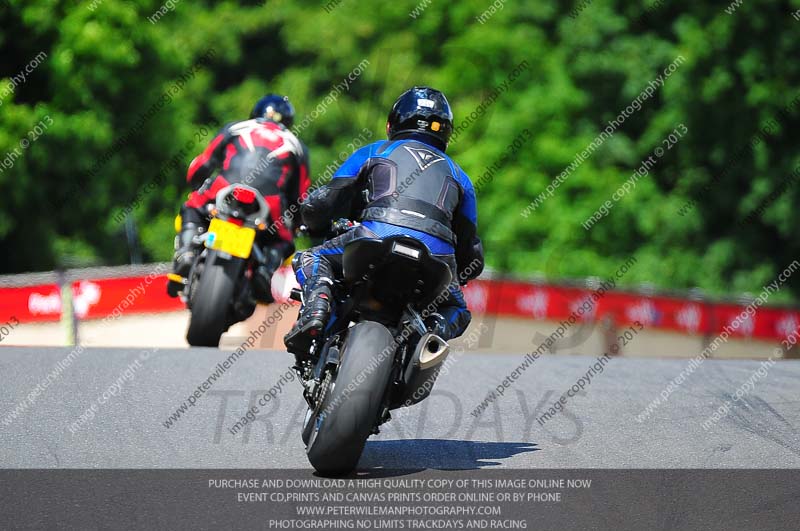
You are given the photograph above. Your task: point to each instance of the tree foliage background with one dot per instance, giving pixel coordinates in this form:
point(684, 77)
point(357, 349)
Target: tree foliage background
point(107, 64)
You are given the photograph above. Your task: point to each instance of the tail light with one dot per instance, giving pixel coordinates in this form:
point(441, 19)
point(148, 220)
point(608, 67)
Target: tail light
point(243, 195)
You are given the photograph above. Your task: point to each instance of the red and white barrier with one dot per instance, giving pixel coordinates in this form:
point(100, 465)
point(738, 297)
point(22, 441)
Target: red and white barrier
point(95, 299)
point(92, 299)
point(523, 299)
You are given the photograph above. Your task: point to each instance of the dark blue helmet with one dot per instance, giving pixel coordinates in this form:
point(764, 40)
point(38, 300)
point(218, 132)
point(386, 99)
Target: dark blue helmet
point(424, 111)
point(274, 107)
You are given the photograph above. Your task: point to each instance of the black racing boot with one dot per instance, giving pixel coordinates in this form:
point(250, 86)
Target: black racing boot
point(185, 253)
point(313, 315)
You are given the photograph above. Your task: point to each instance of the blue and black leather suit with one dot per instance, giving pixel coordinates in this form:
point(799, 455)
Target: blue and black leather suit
point(399, 187)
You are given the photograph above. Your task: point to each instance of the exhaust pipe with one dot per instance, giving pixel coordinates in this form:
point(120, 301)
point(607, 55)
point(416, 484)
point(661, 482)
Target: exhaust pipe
point(422, 370)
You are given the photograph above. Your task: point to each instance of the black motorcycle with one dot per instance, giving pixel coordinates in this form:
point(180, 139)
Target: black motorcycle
point(376, 354)
point(223, 284)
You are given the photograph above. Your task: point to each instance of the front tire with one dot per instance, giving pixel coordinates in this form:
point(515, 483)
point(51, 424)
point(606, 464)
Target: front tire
point(351, 405)
point(211, 303)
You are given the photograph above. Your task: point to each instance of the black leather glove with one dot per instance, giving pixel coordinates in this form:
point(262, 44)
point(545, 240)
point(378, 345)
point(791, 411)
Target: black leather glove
point(340, 226)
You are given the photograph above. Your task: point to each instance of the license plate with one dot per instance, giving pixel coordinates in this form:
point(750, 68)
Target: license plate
point(229, 238)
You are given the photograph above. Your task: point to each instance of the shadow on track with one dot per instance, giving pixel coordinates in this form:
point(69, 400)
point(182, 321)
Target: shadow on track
point(391, 458)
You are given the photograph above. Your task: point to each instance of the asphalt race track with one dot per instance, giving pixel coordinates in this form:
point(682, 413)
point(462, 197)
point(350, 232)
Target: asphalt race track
point(597, 428)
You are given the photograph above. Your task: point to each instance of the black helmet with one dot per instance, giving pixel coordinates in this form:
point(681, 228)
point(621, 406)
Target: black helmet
point(421, 110)
point(275, 108)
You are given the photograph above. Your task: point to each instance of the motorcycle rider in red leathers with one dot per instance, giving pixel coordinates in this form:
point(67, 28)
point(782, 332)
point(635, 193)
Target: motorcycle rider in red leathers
point(262, 153)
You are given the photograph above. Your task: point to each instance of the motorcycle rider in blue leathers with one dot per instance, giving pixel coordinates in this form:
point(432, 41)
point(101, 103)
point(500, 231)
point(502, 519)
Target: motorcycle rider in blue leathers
point(405, 185)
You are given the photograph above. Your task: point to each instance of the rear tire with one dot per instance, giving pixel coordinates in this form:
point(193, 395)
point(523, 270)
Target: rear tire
point(353, 401)
point(211, 303)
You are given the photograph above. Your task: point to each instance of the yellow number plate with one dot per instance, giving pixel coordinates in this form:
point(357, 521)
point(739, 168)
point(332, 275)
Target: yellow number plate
point(229, 238)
